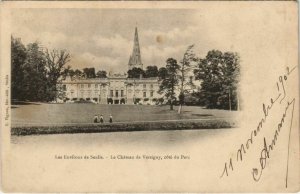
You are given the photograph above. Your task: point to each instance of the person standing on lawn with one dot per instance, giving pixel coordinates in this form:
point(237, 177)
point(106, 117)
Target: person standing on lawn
point(110, 118)
point(96, 118)
point(101, 119)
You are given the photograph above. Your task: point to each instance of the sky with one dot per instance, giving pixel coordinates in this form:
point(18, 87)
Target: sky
point(103, 38)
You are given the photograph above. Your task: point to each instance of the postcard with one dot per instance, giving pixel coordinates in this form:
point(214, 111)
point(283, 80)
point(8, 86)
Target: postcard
point(149, 96)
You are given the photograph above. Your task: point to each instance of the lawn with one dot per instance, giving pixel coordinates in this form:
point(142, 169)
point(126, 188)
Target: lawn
point(37, 114)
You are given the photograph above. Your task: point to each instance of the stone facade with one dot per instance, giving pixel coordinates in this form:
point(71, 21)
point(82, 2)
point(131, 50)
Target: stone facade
point(116, 88)
point(112, 90)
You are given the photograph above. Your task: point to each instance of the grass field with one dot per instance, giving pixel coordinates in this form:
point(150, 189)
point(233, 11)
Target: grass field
point(37, 114)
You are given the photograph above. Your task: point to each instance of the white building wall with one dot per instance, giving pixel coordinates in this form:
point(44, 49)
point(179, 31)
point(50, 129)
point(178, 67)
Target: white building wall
point(100, 89)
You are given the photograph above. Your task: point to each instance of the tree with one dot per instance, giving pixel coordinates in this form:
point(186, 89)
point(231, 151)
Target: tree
point(169, 81)
point(184, 70)
point(136, 73)
point(101, 74)
point(55, 63)
point(151, 71)
point(78, 73)
point(68, 71)
point(36, 71)
point(220, 76)
point(89, 72)
point(18, 57)
point(35, 74)
point(162, 72)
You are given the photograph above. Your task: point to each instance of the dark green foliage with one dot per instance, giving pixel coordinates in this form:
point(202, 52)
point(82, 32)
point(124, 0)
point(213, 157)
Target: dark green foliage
point(169, 80)
point(89, 72)
point(55, 62)
point(36, 71)
point(136, 73)
point(18, 57)
point(101, 74)
point(219, 73)
point(151, 71)
point(119, 127)
point(162, 73)
point(35, 74)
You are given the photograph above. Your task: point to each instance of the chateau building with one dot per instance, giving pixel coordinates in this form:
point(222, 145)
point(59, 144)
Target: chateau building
point(116, 88)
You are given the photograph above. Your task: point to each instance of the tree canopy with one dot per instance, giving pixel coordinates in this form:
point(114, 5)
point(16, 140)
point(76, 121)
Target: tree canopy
point(185, 67)
point(35, 71)
point(101, 74)
point(89, 72)
point(169, 80)
point(151, 71)
point(136, 73)
point(219, 73)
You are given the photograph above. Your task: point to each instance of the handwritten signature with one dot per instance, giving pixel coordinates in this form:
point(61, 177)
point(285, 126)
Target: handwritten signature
point(265, 152)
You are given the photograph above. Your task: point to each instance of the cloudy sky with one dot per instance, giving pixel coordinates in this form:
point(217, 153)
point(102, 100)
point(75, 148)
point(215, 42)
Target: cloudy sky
point(103, 38)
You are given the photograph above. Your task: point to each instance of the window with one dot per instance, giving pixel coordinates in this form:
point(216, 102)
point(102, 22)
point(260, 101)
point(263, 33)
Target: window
point(89, 85)
point(151, 93)
point(144, 86)
point(122, 93)
point(82, 85)
point(96, 85)
point(145, 95)
point(117, 93)
point(151, 86)
point(111, 93)
point(64, 87)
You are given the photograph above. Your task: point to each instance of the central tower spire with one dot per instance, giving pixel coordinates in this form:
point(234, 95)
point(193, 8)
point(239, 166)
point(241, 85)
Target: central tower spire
point(135, 59)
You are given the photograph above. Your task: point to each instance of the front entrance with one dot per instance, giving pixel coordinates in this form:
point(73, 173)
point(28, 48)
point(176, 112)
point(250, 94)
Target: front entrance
point(116, 101)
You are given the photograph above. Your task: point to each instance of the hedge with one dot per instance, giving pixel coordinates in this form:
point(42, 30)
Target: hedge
point(119, 127)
